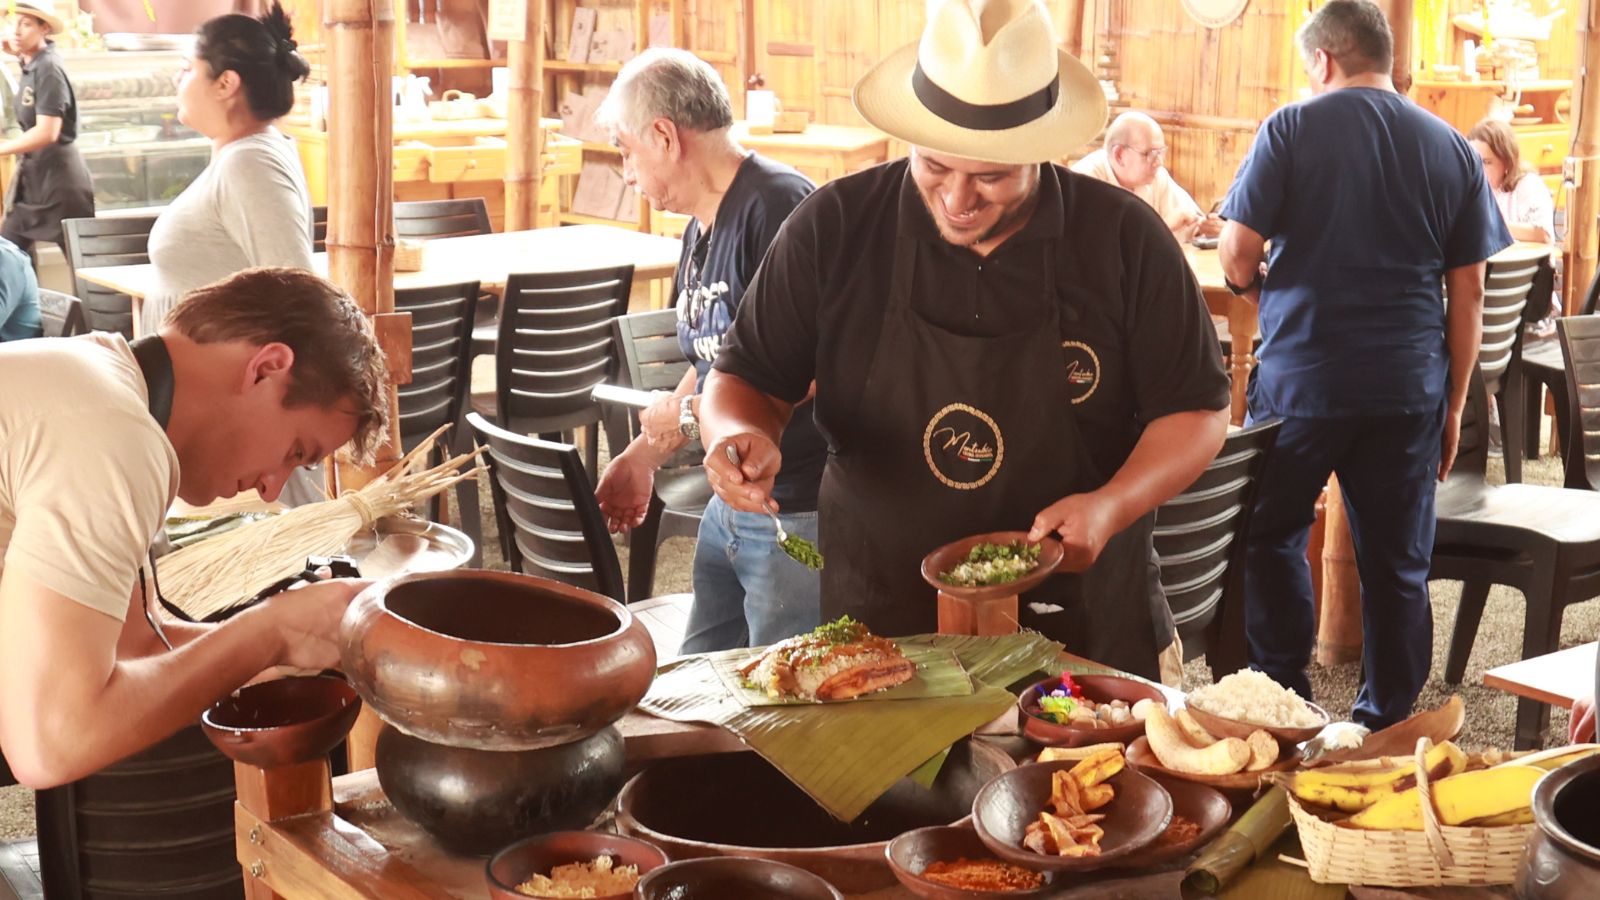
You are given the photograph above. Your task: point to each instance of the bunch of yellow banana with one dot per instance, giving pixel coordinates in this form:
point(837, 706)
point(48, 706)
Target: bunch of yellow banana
point(1356, 787)
point(1502, 795)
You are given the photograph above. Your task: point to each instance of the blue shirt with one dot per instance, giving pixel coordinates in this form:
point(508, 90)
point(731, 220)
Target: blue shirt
point(1367, 199)
point(19, 295)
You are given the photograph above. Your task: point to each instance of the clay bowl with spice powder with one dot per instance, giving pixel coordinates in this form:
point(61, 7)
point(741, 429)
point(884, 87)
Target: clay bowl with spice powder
point(912, 853)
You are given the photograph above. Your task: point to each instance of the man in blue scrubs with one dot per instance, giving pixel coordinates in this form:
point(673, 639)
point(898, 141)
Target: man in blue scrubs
point(1369, 202)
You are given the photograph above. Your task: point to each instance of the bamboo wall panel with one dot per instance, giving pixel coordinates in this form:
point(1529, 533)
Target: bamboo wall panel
point(787, 55)
point(713, 31)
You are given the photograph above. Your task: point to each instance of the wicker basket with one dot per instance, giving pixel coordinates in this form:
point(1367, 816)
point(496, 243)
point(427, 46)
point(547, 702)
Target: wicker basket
point(408, 255)
point(1437, 855)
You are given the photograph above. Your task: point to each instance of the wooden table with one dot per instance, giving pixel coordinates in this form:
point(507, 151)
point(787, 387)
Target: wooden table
point(486, 258)
point(1556, 678)
point(821, 152)
point(1242, 324)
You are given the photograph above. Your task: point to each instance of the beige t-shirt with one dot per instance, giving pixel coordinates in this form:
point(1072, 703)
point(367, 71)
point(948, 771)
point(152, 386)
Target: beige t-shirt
point(86, 475)
point(1164, 195)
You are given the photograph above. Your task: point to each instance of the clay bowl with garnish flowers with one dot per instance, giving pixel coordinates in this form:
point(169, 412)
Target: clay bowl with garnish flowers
point(1043, 726)
point(945, 559)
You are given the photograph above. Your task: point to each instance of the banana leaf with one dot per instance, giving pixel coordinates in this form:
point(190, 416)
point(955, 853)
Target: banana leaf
point(846, 755)
point(939, 674)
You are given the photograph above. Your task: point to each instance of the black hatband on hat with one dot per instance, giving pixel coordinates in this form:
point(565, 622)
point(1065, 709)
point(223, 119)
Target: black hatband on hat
point(979, 116)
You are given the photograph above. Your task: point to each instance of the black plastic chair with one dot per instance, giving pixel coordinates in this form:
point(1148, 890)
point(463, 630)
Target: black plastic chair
point(441, 335)
point(1507, 307)
point(649, 359)
point(106, 241)
point(61, 314)
point(319, 228)
point(1541, 367)
point(1541, 541)
point(554, 346)
point(1579, 337)
point(428, 219)
point(1200, 542)
point(544, 503)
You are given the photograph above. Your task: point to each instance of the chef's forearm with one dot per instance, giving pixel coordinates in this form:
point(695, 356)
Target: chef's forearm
point(1240, 250)
point(1169, 456)
point(730, 405)
point(36, 138)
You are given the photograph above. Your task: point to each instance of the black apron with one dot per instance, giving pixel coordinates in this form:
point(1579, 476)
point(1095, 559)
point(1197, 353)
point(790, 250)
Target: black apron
point(958, 435)
point(50, 184)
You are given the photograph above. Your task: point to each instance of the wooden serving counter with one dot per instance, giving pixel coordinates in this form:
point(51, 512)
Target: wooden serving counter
point(441, 160)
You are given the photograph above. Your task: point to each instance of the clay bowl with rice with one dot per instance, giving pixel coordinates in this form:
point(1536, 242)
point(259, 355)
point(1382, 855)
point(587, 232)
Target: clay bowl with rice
point(570, 860)
point(1104, 725)
point(937, 864)
point(1249, 701)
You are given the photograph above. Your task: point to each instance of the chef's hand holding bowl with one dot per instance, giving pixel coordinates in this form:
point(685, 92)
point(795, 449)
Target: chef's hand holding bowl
point(1084, 522)
point(306, 621)
point(747, 486)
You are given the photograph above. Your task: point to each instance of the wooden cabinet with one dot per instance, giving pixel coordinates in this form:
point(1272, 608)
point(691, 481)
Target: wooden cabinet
point(1539, 108)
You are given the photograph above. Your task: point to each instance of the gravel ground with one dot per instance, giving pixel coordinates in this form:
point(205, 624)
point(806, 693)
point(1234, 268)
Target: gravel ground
point(1490, 713)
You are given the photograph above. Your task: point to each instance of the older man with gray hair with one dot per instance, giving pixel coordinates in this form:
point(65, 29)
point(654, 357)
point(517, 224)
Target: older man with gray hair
point(670, 115)
point(1134, 158)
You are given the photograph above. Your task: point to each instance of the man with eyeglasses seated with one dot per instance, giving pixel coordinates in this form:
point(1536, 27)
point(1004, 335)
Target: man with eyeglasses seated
point(1133, 158)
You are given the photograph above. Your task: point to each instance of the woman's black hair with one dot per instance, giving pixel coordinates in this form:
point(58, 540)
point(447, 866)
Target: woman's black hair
point(262, 51)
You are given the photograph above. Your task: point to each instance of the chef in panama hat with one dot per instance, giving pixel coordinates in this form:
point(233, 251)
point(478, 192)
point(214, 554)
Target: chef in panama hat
point(996, 343)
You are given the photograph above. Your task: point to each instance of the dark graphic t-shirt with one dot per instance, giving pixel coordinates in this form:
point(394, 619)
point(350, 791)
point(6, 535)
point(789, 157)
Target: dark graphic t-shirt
point(712, 273)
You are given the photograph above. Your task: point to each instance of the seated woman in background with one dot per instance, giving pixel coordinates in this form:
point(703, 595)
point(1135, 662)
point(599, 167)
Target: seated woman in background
point(1522, 196)
point(250, 207)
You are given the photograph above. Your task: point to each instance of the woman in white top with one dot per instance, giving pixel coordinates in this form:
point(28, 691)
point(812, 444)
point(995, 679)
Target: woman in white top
point(1522, 196)
point(250, 206)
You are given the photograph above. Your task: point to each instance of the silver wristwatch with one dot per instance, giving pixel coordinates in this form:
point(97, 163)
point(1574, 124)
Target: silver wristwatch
point(687, 423)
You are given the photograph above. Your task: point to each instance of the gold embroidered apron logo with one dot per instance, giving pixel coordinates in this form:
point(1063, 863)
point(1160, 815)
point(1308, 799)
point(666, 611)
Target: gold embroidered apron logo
point(963, 446)
point(1083, 369)
point(27, 95)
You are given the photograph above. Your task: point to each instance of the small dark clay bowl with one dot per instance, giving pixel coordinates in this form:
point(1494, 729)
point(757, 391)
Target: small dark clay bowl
point(1205, 806)
point(1005, 806)
point(733, 878)
point(282, 722)
point(538, 854)
point(1100, 689)
point(912, 852)
point(947, 557)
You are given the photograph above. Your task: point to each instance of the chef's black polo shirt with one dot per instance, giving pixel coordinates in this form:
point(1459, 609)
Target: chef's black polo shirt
point(1122, 287)
point(45, 91)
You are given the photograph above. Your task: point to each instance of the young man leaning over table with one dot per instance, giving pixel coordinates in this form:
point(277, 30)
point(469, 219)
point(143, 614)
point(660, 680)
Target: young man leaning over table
point(996, 343)
point(248, 379)
point(669, 114)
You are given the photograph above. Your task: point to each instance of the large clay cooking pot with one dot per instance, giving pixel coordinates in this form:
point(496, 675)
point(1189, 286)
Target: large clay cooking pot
point(1562, 859)
point(494, 660)
point(737, 804)
point(477, 801)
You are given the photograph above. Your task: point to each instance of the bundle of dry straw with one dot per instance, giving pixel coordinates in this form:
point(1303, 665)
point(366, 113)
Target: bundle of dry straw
point(217, 574)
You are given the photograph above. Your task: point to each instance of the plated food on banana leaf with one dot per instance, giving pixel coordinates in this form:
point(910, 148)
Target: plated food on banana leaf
point(837, 661)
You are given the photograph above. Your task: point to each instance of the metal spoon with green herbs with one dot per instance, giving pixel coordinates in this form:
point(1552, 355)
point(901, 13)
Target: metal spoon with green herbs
point(988, 564)
point(799, 549)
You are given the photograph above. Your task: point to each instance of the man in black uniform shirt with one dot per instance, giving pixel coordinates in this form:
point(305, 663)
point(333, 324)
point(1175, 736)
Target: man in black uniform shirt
point(52, 182)
point(997, 344)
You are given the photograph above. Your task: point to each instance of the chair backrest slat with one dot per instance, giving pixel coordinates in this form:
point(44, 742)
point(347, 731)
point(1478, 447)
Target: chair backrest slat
point(427, 219)
point(544, 500)
point(555, 344)
point(441, 357)
point(1506, 295)
point(1580, 350)
point(106, 241)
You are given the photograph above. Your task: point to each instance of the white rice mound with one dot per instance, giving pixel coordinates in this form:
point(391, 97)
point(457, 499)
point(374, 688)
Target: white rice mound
point(1251, 696)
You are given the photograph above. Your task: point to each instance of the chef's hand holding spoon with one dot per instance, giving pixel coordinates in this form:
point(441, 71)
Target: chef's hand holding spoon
point(747, 486)
point(1083, 522)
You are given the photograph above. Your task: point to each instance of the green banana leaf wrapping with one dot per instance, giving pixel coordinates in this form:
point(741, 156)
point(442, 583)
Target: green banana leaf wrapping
point(1246, 840)
point(846, 755)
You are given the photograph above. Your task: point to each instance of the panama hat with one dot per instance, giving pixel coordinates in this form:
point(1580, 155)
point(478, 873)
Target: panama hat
point(986, 82)
point(50, 19)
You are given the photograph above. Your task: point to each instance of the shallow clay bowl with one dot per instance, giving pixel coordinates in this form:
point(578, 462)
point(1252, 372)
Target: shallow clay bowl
point(950, 555)
point(1141, 757)
point(1239, 728)
point(494, 660)
point(1100, 689)
point(1205, 806)
point(912, 852)
point(1007, 805)
point(539, 854)
point(733, 878)
point(282, 722)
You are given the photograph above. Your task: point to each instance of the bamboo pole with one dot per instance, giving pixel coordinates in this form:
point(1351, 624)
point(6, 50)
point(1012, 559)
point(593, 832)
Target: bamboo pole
point(524, 137)
point(1400, 15)
point(1584, 167)
point(1072, 27)
point(360, 41)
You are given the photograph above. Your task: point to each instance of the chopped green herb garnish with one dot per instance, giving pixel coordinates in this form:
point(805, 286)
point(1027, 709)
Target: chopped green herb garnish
point(988, 564)
point(802, 551)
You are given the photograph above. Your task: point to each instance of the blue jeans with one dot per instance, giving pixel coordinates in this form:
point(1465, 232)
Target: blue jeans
point(747, 591)
point(1387, 468)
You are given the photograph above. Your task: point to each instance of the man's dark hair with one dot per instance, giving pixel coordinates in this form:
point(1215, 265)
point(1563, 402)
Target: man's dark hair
point(263, 52)
point(337, 361)
point(1354, 33)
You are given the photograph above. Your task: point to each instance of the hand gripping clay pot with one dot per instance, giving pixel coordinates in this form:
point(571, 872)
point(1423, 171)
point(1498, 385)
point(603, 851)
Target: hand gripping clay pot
point(494, 660)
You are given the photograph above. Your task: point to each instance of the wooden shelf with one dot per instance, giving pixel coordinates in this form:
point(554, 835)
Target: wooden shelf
point(561, 65)
point(453, 63)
